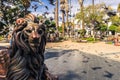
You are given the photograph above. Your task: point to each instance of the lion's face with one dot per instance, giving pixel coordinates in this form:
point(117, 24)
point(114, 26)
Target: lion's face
point(34, 32)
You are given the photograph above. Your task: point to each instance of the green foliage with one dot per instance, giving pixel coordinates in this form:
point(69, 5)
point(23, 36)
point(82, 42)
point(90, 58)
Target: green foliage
point(103, 27)
point(12, 13)
point(118, 29)
point(82, 32)
point(112, 28)
point(90, 16)
point(109, 42)
point(50, 26)
point(115, 20)
point(40, 17)
point(1, 38)
point(60, 29)
point(53, 24)
point(90, 39)
point(78, 15)
point(118, 9)
point(51, 30)
point(47, 22)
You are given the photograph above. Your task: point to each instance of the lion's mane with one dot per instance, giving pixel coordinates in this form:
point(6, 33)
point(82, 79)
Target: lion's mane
point(25, 63)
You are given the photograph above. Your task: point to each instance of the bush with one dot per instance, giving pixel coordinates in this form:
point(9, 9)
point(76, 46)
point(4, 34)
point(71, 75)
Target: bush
point(90, 39)
point(103, 27)
point(112, 28)
point(1, 38)
point(82, 32)
point(60, 29)
point(118, 29)
point(52, 24)
point(51, 30)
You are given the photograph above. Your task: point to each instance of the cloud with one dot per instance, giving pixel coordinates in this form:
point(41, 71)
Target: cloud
point(50, 15)
point(36, 13)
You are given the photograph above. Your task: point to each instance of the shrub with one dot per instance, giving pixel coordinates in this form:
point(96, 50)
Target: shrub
point(103, 27)
point(82, 32)
point(60, 29)
point(90, 39)
point(112, 28)
point(118, 29)
point(1, 38)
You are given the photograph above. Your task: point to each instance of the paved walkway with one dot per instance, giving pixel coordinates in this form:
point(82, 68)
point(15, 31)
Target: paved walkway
point(81, 64)
point(77, 65)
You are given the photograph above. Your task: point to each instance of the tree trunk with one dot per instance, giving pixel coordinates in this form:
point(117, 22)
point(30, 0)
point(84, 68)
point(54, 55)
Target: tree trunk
point(67, 22)
point(56, 15)
point(66, 10)
point(83, 27)
point(93, 20)
point(63, 23)
point(82, 7)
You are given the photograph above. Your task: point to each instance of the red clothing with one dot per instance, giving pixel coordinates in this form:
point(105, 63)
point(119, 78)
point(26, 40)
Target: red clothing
point(116, 40)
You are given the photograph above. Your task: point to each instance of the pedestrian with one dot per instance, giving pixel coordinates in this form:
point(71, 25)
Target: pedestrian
point(116, 41)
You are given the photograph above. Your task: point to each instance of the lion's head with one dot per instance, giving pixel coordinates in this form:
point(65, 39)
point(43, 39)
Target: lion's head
point(34, 33)
point(29, 33)
point(27, 56)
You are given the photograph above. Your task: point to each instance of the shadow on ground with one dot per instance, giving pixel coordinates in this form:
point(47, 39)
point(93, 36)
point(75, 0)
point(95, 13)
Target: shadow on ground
point(77, 65)
point(58, 53)
point(2, 47)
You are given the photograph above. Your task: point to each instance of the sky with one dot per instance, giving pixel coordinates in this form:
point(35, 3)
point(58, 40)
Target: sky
point(74, 3)
point(41, 9)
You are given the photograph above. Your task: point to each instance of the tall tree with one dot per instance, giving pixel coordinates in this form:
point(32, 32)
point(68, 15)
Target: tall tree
point(56, 3)
point(26, 4)
point(66, 10)
point(62, 6)
point(57, 14)
point(82, 13)
point(95, 19)
point(118, 8)
point(11, 10)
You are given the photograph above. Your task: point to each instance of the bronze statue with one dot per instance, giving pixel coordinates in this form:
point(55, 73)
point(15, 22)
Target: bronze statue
point(27, 55)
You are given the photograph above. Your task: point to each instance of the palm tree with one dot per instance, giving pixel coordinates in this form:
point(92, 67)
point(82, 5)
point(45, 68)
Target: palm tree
point(82, 13)
point(26, 4)
point(93, 20)
point(118, 8)
point(56, 15)
point(62, 6)
point(55, 2)
point(66, 10)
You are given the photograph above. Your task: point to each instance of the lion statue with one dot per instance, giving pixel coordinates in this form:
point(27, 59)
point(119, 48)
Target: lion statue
point(26, 59)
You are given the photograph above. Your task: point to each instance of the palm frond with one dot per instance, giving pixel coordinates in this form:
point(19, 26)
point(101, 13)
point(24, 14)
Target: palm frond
point(52, 2)
point(46, 7)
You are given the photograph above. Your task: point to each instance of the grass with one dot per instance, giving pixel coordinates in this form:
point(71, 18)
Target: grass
point(1, 38)
point(109, 42)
